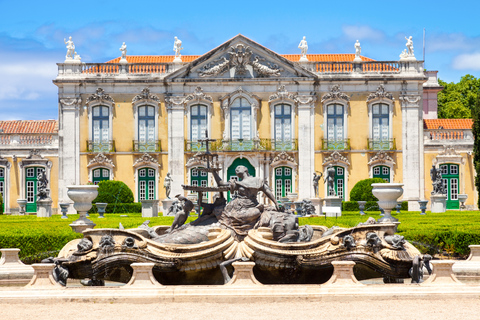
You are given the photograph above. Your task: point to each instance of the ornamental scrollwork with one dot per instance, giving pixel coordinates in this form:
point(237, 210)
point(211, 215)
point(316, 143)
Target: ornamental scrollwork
point(282, 94)
point(101, 159)
point(335, 94)
point(381, 157)
point(100, 96)
point(336, 158)
point(198, 95)
point(380, 94)
point(146, 95)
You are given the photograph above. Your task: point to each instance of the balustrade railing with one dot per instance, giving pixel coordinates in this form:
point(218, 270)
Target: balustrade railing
point(342, 144)
point(130, 68)
point(147, 146)
point(448, 135)
point(28, 140)
point(368, 67)
point(101, 146)
point(244, 145)
point(387, 144)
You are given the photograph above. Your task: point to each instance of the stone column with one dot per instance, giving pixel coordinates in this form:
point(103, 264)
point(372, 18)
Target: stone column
point(176, 142)
point(412, 148)
point(306, 145)
point(68, 147)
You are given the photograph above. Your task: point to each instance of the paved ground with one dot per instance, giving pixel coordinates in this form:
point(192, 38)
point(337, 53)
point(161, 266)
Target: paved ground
point(451, 309)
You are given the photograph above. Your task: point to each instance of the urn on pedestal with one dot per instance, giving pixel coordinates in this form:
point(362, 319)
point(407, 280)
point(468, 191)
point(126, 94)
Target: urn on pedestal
point(387, 195)
point(82, 197)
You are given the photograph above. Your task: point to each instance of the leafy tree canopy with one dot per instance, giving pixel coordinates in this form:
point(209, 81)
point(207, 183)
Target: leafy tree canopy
point(457, 100)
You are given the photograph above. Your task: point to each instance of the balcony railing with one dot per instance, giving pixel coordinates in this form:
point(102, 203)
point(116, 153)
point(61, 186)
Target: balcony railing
point(101, 146)
point(367, 67)
point(452, 136)
point(244, 145)
point(147, 146)
point(388, 144)
point(28, 140)
point(335, 144)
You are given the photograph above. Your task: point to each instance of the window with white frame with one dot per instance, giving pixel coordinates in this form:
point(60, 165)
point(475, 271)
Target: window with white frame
point(100, 124)
point(240, 120)
point(198, 122)
point(146, 124)
point(335, 126)
point(380, 122)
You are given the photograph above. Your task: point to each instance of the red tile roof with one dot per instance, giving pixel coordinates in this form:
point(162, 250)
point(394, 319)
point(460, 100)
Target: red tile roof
point(292, 57)
point(29, 126)
point(447, 124)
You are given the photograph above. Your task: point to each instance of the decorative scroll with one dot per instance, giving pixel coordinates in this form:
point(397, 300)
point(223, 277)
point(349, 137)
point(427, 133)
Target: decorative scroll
point(335, 94)
point(100, 96)
point(146, 95)
point(380, 94)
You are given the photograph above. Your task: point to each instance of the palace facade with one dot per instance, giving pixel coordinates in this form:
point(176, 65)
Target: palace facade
point(136, 119)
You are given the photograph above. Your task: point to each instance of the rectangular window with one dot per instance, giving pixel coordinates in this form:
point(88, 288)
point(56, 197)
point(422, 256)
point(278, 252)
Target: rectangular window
point(30, 191)
point(143, 185)
point(340, 171)
point(106, 173)
point(340, 188)
point(96, 173)
point(454, 189)
point(142, 173)
point(278, 171)
point(278, 189)
point(151, 173)
point(2, 173)
point(444, 169)
point(453, 169)
point(385, 171)
point(288, 172)
point(194, 173)
point(151, 189)
point(288, 187)
point(203, 173)
point(376, 171)
point(30, 172)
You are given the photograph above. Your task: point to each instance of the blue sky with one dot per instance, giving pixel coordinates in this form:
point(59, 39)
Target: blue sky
point(32, 33)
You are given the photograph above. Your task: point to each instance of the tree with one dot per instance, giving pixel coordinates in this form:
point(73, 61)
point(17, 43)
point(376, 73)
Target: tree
point(456, 100)
point(476, 143)
point(362, 191)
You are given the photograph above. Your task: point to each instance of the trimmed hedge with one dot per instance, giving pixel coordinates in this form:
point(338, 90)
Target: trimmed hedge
point(112, 191)
point(135, 207)
point(369, 206)
point(362, 191)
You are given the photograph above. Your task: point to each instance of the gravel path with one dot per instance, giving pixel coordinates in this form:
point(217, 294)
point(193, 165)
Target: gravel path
point(451, 309)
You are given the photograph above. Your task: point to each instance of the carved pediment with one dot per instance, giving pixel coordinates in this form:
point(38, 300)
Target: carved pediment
point(198, 95)
point(335, 94)
point(241, 57)
point(146, 160)
point(101, 160)
point(283, 158)
point(282, 94)
point(145, 95)
point(100, 96)
point(380, 94)
point(448, 155)
point(336, 158)
point(381, 157)
point(35, 158)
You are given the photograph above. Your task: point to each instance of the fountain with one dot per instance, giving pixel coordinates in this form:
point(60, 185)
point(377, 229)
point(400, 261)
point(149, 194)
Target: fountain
point(271, 239)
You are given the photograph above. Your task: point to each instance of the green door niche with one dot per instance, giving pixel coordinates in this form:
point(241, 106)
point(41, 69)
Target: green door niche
point(231, 170)
point(382, 172)
point(100, 174)
point(283, 182)
point(340, 181)
point(451, 182)
point(31, 180)
point(146, 184)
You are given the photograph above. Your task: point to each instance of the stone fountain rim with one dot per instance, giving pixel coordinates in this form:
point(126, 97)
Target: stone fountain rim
point(387, 184)
point(83, 186)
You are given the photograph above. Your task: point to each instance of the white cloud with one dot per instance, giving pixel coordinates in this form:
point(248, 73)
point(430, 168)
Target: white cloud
point(362, 33)
point(467, 61)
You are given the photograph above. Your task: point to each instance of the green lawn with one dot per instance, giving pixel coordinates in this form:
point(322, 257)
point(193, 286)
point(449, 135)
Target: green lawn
point(38, 238)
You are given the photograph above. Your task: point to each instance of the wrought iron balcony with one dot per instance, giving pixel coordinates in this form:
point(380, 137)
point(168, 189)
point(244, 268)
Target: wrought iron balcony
point(280, 145)
point(244, 145)
point(147, 146)
point(387, 144)
point(343, 144)
point(101, 146)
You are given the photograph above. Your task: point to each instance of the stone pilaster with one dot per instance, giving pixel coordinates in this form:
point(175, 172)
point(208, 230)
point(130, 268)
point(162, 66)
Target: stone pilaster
point(412, 148)
point(68, 147)
point(176, 142)
point(306, 145)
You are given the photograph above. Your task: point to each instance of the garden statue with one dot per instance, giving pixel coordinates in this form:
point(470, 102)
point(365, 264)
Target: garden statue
point(331, 180)
point(316, 178)
point(70, 48)
point(307, 208)
point(43, 191)
point(303, 46)
point(167, 184)
point(184, 207)
point(437, 182)
point(123, 49)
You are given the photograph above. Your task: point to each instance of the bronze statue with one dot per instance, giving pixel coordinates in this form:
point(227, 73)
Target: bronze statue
point(316, 178)
point(437, 182)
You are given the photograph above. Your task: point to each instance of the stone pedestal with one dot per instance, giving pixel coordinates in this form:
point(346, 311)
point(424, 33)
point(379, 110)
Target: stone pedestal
point(469, 270)
point(149, 208)
point(442, 274)
point(44, 208)
point(243, 275)
point(166, 203)
point(343, 274)
point(142, 276)
point(439, 203)
point(333, 206)
point(12, 270)
point(318, 204)
point(43, 277)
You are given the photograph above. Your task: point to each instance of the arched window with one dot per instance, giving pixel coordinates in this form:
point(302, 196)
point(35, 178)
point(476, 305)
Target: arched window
point(146, 184)
point(335, 127)
point(100, 174)
point(146, 129)
point(380, 127)
point(283, 127)
point(100, 129)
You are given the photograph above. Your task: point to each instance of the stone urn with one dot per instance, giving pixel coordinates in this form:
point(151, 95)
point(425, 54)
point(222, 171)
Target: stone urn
point(82, 197)
point(387, 195)
point(361, 206)
point(462, 198)
point(21, 206)
point(64, 209)
point(101, 206)
point(423, 206)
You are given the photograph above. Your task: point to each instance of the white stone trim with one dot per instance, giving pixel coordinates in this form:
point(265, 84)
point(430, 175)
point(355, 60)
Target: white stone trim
point(391, 107)
point(145, 98)
point(381, 158)
point(226, 103)
point(100, 98)
point(283, 160)
point(198, 97)
point(335, 96)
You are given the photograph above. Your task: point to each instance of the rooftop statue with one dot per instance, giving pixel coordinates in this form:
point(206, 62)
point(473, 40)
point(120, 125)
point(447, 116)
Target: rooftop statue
point(70, 48)
point(303, 46)
point(123, 49)
point(177, 47)
point(409, 46)
point(358, 52)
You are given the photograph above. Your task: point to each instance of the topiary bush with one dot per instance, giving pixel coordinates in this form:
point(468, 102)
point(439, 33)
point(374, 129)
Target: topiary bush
point(362, 191)
point(111, 191)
